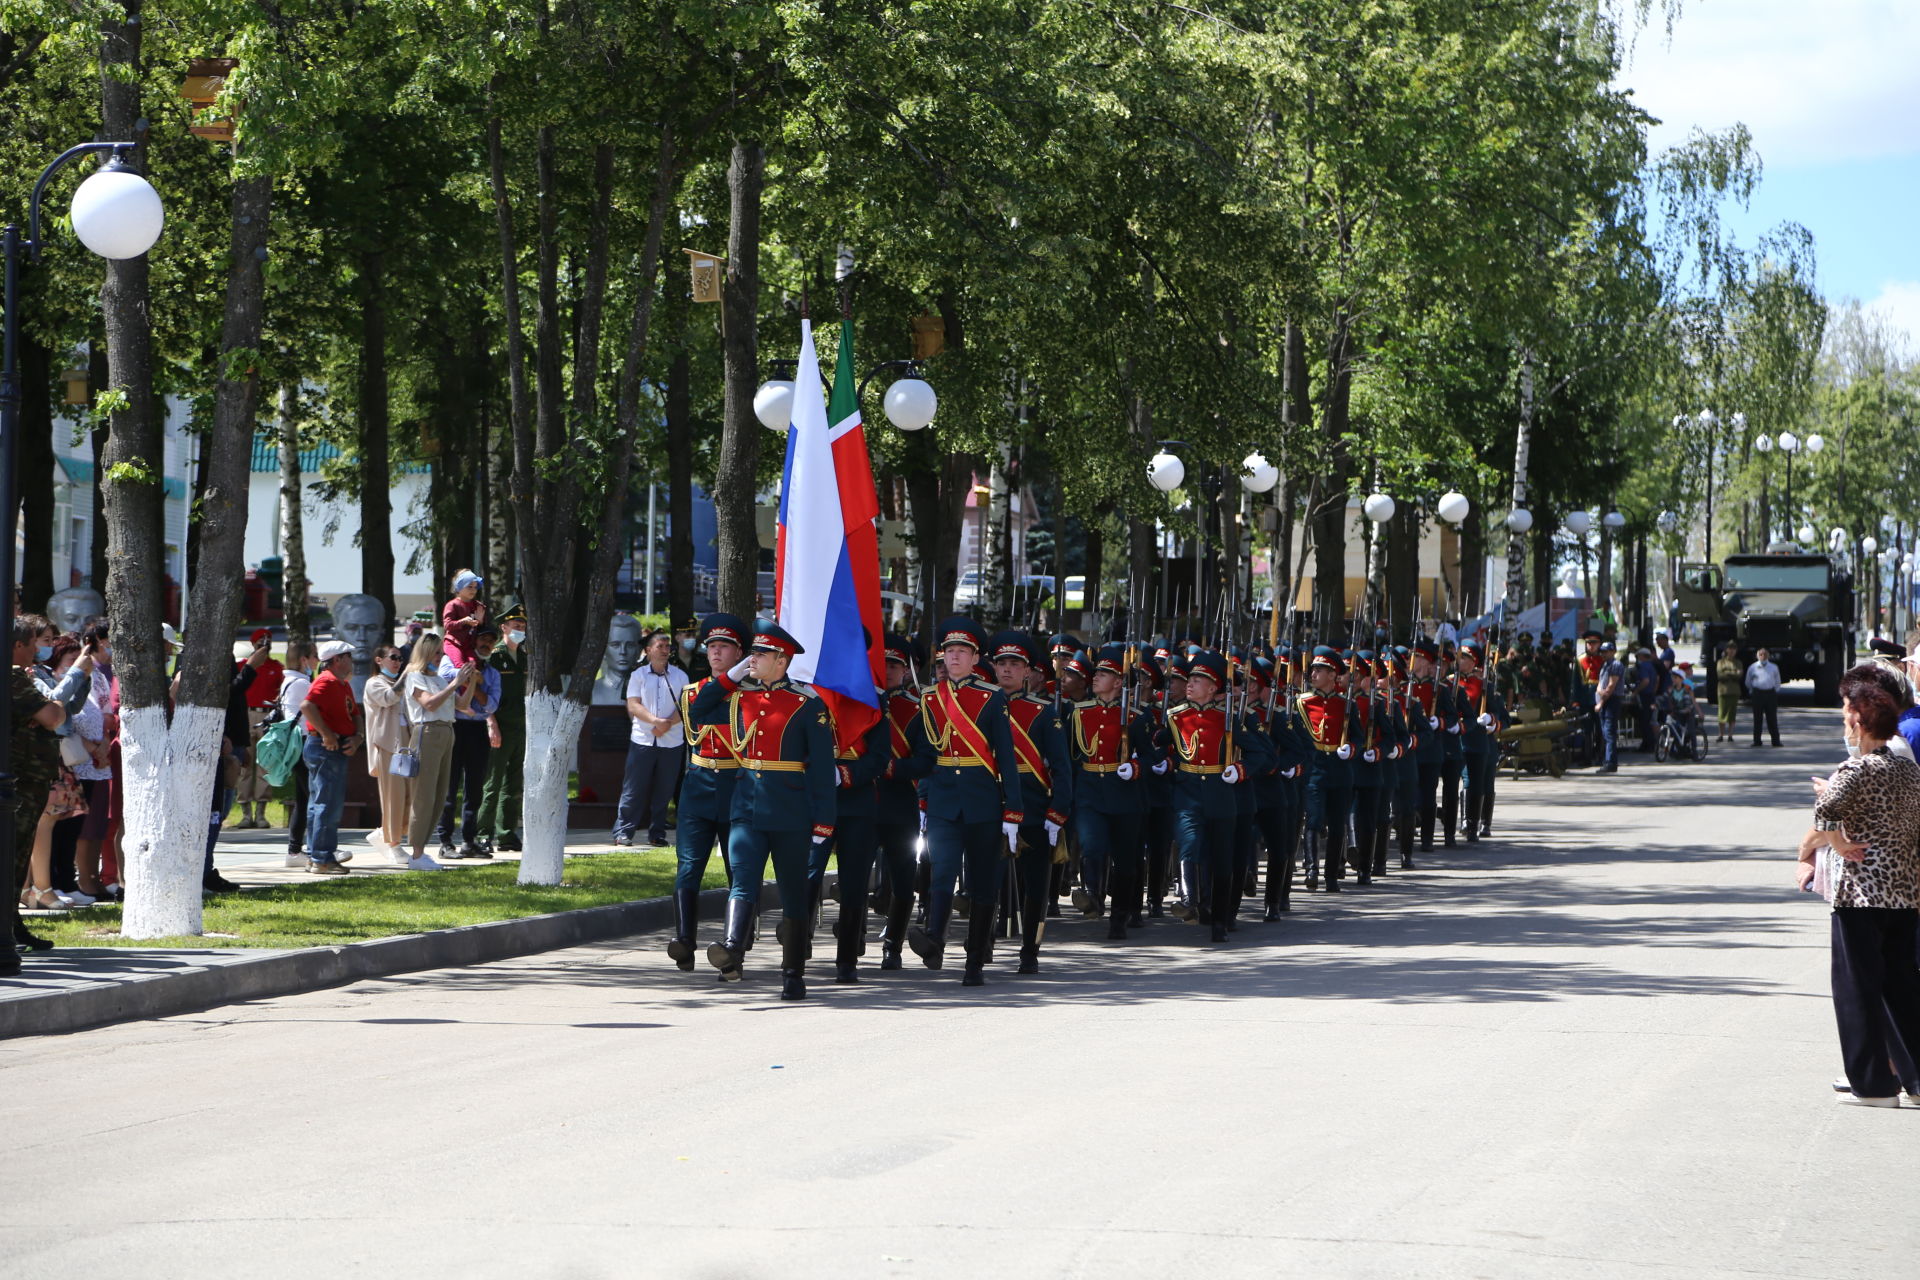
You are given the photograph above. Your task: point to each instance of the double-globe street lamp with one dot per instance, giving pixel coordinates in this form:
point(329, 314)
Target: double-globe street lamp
point(117, 214)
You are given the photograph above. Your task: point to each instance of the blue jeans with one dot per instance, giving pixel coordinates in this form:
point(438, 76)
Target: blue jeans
point(1610, 733)
point(326, 794)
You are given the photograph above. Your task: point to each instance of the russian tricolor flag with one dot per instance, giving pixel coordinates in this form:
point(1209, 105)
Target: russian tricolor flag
point(827, 554)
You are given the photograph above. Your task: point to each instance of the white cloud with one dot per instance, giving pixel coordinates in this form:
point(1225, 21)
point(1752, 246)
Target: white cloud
point(1817, 83)
point(1899, 303)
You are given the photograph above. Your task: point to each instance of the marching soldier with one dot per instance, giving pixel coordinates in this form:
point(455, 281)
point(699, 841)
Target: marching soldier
point(1212, 753)
point(1113, 752)
point(1476, 693)
point(1280, 787)
point(1046, 785)
point(1411, 728)
point(783, 797)
point(706, 791)
point(971, 793)
point(1323, 711)
point(859, 760)
point(1427, 704)
point(1154, 676)
point(1455, 753)
point(897, 807)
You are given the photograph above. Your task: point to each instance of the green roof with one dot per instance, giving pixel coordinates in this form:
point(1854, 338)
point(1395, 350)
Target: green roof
point(266, 457)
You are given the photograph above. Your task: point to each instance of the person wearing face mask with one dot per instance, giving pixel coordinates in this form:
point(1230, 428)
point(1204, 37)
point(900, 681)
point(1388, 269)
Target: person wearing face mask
point(388, 733)
point(506, 765)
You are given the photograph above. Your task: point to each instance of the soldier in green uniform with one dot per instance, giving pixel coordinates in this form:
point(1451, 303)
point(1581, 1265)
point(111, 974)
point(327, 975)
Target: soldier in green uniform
point(506, 770)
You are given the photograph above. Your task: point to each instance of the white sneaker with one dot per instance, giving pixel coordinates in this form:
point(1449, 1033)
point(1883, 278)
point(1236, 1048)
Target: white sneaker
point(343, 855)
point(1851, 1099)
point(75, 898)
point(297, 861)
point(421, 862)
point(400, 855)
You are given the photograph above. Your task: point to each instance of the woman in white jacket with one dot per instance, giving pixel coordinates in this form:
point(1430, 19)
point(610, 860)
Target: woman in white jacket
point(389, 732)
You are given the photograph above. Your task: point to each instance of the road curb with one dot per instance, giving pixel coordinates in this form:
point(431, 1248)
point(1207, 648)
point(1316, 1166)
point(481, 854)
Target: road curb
point(286, 973)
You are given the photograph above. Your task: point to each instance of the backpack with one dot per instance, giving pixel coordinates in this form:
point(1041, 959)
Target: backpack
point(280, 750)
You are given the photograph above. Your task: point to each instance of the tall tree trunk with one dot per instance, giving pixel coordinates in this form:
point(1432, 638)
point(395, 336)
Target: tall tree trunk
point(35, 471)
point(168, 770)
point(1329, 518)
point(97, 376)
point(680, 482)
point(1143, 553)
point(1522, 449)
point(996, 574)
point(293, 535)
point(376, 475)
point(734, 483)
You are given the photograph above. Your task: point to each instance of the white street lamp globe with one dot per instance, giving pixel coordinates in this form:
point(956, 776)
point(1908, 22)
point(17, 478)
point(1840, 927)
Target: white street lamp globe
point(1519, 520)
point(1789, 442)
point(1614, 520)
point(1706, 418)
point(117, 213)
point(1379, 508)
point(1453, 507)
point(1739, 422)
point(1869, 544)
point(1578, 522)
point(1165, 471)
point(1257, 475)
point(1668, 522)
point(773, 405)
point(1906, 561)
point(1764, 444)
point(910, 404)
point(1816, 442)
point(1836, 537)
point(1805, 533)
point(1680, 421)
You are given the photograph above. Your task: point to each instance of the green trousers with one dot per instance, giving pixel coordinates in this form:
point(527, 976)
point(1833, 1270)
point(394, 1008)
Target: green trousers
point(500, 800)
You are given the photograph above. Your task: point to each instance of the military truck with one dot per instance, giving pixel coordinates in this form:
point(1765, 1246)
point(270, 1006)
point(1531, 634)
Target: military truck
point(1795, 604)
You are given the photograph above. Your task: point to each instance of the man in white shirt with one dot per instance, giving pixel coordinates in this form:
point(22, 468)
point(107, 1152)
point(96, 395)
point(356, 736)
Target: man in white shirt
point(1763, 692)
point(656, 746)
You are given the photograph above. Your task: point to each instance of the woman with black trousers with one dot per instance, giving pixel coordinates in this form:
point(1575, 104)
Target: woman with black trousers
point(1863, 854)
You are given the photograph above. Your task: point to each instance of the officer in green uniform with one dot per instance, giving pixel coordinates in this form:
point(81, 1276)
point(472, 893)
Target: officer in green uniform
point(507, 768)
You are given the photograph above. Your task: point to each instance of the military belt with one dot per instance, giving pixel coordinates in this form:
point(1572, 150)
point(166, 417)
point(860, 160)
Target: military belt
point(707, 762)
point(1202, 768)
point(1091, 767)
point(961, 762)
point(774, 766)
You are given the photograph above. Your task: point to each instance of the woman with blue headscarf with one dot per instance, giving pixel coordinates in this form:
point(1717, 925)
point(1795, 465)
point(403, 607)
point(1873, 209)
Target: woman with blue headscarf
point(462, 616)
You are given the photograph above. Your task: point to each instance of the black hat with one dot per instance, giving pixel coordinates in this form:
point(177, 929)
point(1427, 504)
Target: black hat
point(961, 629)
point(1012, 644)
point(1210, 664)
point(904, 650)
point(1065, 642)
point(724, 626)
point(1592, 635)
point(1426, 649)
point(771, 637)
point(1262, 668)
point(1888, 648)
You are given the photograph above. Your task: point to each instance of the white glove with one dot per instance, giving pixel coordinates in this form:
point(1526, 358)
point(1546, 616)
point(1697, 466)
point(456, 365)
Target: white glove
point(739, 671)
point(1291, 771)
point(1369, 756)
point(1486, 719)
point(1433, 722)
point(1125, 771)
point(1394, 752)
point(923, 822)
point(1453, 728)
point(1012, 832)
point(1053, 833)
point(1230, 774)
point(1346, 751)
point(1162, 767)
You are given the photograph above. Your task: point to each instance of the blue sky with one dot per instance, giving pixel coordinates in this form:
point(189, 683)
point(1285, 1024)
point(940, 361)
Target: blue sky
point(1831, 91)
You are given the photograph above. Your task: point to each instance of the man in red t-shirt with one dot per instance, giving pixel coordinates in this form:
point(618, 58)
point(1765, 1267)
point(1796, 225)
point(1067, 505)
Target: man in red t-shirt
point(263, 695)
point(331, 719)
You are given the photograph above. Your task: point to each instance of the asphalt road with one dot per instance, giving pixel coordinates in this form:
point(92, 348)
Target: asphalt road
point(1598, 1046)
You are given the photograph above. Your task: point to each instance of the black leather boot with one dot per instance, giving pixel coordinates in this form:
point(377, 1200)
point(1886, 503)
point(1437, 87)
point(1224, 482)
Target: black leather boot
point(1426, 830)
point(979, 948)
point(1381, 834)
point(930, 943)
point(1486, 813)
point(1310, 859)
point(1450, 814)
point(894, 936)
point(729, 954)
point(1033, 927)
point(851, 931)
point(1406, 844)
point(1123, 893)
point(1334, 864)
point(796, 945)
point(1226, 904)
point(686, 921)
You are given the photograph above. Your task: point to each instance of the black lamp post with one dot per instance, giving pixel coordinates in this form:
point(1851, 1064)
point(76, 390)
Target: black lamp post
point(117, 214)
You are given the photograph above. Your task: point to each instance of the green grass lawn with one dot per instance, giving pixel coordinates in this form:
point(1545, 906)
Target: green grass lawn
point(355, 908)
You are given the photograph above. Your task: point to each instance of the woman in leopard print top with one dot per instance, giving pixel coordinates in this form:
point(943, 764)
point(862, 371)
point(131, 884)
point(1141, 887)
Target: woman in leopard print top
point(1868, 813)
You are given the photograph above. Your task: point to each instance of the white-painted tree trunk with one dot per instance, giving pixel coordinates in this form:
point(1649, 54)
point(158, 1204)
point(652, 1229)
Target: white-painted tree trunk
point(167, 776)
point(553, 728)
